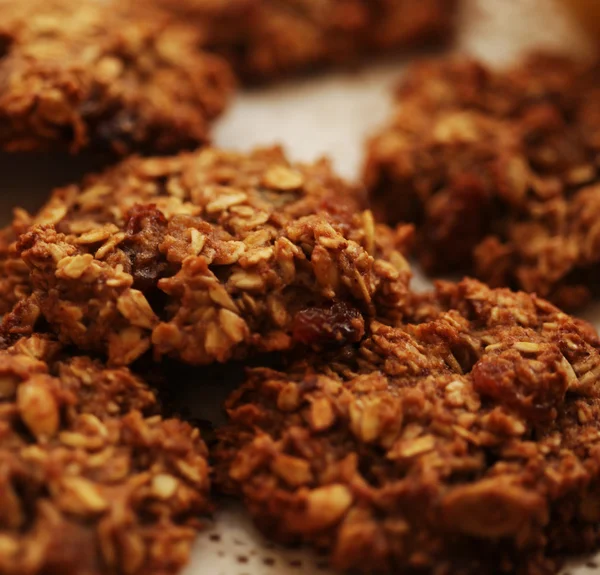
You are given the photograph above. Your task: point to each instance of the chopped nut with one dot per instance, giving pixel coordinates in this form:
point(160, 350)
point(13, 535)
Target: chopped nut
point(324, 507)
point(164, 486)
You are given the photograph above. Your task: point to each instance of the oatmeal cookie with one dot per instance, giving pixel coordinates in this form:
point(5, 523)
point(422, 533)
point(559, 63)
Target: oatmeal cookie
point(88, 75)
point(208, 256)
point(267, 38)
point(498, 169)
point(90, 480)
point(466, 444)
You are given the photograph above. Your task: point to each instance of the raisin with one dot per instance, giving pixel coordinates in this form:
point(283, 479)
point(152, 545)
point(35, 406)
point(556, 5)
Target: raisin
point(146, 228)
point(339, 324)
point(523, 384)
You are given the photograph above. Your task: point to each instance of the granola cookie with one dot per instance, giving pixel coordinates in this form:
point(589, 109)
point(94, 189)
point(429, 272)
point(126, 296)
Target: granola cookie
point(498, 169)
point(210, 256)
point(90, 481)
point(465, 444)
point(267, 38)
point(81, 75)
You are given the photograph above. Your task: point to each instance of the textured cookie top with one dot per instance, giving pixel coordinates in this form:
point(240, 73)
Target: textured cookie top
point(210, 256)
point(467, 443)
point(91, 482)
point(499, 171)
point(75, 75)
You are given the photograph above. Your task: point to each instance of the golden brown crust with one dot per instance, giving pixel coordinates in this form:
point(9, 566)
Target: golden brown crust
point(268, 38)
point(88, 75)
point(209, 256)
point(90, 481)
point(498, 169)
point(467, 443)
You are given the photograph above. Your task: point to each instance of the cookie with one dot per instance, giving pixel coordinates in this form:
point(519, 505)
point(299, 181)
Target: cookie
point(209, 256)
point(89, 75)
point(498, 171)
point(467, 443)
point(91, 479)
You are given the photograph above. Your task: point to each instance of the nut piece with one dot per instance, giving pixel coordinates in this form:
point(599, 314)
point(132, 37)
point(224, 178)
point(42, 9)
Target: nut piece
point(324, 507)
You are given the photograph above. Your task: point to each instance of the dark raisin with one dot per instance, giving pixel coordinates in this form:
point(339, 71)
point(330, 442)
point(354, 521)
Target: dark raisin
point(337, 325)
point(5, 44)
point(146, 228)
point(528, 385)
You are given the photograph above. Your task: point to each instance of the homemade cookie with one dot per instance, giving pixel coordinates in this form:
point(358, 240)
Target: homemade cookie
point(267, 38)
point(498, 169)
point(91, 481)
point(468, 443)
point(206, 257)
point(77, 75)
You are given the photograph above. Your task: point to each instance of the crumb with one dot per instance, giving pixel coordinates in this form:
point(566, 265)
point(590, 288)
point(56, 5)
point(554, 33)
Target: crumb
point(207, 257)
point(91, 479)
point(467, 443)
point(81, 75)
point(498, 171)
